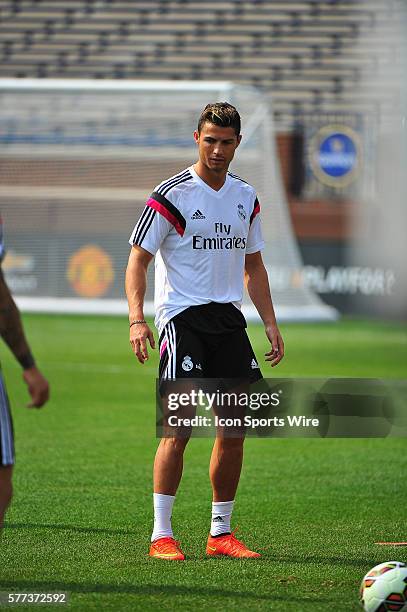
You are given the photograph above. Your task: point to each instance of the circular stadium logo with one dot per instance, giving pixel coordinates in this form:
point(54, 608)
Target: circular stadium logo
point(335, 155)
point(90, 271)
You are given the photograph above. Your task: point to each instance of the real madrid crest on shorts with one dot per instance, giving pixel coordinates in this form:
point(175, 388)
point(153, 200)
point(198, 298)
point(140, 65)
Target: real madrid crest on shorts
point(241, 211)
point(187, 364)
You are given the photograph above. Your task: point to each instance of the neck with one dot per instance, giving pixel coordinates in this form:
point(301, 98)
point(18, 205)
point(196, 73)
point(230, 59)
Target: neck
point(216, 180)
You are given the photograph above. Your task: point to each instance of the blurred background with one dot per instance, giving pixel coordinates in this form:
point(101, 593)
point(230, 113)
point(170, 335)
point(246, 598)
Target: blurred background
point(98, 101)
point(87, 131)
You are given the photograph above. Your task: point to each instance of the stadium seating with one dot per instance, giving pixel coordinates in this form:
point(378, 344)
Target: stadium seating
point(308, 53)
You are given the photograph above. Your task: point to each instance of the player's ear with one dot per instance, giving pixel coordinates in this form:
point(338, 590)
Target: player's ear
point(239, 139)
point(196, 136)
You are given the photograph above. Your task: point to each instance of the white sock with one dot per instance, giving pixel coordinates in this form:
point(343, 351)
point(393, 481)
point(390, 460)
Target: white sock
point(162, 516)
point(221, 514)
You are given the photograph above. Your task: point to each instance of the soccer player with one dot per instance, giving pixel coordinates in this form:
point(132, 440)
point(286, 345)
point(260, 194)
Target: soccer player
point(12, 332)
point(203, 227)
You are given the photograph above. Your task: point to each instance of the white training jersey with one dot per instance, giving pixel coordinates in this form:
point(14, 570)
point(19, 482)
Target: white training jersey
point(200, 238)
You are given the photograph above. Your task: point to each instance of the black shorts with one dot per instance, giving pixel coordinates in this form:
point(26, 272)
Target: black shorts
point(208, 341)
point(6, 428)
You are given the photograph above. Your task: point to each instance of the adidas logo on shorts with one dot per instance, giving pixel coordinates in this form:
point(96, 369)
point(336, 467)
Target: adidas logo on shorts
point(254, 364)
point(198, 215)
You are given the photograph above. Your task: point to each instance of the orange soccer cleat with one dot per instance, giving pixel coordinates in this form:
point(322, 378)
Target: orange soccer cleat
point(166, 548)
point(229, 546)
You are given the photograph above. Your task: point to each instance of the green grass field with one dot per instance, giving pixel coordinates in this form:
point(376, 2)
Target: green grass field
point(81, 517)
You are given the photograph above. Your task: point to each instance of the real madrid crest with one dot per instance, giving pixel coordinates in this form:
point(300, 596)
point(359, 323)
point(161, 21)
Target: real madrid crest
point(187, 364)
point(241, 211)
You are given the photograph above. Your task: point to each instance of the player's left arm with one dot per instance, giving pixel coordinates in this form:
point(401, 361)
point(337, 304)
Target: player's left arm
point(12, 332)
point(258, 287)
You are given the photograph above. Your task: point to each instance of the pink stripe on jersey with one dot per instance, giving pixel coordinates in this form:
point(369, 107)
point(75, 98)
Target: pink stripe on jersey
point(166, 213)
point(163, 347)
point(255, 212)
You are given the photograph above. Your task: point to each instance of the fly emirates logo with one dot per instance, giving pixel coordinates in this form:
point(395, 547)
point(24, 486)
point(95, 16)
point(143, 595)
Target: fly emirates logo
point(220, 241)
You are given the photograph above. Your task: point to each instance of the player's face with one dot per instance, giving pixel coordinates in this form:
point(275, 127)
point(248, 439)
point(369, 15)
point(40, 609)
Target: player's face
point(217, 146)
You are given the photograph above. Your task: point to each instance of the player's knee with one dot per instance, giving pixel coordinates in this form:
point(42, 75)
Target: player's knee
point(230, 444)
point(175, 445)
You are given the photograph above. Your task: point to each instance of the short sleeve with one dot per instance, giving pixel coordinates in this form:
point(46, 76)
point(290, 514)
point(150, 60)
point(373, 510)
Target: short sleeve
point(158, 218)
point(150, 230)
point(255, 240)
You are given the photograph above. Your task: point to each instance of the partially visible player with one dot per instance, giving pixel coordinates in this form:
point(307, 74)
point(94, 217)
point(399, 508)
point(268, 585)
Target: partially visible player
point(203, 226)
point(11, 330)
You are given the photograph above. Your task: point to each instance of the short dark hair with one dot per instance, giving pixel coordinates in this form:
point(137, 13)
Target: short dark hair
point(222, 114)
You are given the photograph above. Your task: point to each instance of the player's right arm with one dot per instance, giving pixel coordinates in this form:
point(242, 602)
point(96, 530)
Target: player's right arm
point(136, 284)
point(155, 223)
point(11, 330)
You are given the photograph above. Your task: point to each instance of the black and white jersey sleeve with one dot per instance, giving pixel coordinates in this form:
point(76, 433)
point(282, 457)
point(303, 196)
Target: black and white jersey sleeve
point(150, 230)
point(160, 216)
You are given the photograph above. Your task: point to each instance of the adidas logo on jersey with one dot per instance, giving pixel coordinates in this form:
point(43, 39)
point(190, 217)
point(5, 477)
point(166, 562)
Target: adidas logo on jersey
point(254, 364)
point(198, 215)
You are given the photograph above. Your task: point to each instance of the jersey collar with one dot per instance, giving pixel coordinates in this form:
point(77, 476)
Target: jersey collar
point(213, 192)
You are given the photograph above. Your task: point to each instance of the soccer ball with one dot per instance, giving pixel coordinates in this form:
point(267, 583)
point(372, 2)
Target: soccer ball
point(385, 588)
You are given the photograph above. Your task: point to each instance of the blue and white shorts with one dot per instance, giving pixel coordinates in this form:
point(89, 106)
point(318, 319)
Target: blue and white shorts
point(6, 428)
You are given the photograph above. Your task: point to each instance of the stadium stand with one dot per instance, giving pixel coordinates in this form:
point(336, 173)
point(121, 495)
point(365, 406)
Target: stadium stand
point(308, 53)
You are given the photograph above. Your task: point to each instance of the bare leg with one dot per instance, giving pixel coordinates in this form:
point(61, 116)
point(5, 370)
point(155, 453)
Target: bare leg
point(169, 458)
point(168, 464)
point(225, 467)
point(6, 490)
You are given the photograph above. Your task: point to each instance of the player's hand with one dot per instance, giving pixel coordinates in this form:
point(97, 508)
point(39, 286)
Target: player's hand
point(277, 345)
point(38, 387)
point(139, 334)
